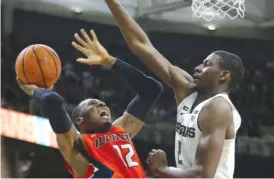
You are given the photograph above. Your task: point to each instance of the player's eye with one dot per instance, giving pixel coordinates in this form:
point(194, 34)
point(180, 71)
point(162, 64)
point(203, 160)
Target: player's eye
point(101, 105)
point(206, 63)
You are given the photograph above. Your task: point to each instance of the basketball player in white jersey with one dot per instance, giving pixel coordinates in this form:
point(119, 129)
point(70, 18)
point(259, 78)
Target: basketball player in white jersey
point(207, 121)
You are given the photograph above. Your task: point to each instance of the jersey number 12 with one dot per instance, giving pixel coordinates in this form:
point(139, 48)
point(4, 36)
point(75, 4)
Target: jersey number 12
point(128, 162)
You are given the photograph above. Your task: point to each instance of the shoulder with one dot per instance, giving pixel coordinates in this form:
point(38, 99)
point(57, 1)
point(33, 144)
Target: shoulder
point(117, 129)
point(220, 104)
point(216, 113)
point(190, 98)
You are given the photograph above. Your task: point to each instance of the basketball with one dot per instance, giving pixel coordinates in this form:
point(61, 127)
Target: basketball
point(38, 65)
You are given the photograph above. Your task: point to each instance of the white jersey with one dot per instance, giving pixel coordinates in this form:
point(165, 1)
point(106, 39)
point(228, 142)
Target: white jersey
point(188, 134)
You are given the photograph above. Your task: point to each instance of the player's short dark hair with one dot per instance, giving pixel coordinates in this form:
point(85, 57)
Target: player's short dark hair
point(234, 64)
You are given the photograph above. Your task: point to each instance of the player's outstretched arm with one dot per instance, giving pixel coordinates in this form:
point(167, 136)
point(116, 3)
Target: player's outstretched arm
point(140, 45)
point(148, 92)
point(52, 107)
point(148, 89)
point(214, 120)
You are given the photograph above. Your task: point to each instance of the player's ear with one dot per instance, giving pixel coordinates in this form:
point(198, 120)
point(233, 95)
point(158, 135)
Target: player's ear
point(224, 75)
point(79, 120)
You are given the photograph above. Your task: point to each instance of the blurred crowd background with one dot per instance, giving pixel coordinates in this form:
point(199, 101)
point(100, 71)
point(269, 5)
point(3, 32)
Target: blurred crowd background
point(254, 99)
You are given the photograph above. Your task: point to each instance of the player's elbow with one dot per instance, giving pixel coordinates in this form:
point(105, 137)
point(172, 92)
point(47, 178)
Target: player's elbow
point(159, 88)
point(205, 172)
point(155, 88)
point(138, 47)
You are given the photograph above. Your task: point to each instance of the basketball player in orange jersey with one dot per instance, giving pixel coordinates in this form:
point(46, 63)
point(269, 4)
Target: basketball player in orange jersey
point(207, 121)
point(103, 149)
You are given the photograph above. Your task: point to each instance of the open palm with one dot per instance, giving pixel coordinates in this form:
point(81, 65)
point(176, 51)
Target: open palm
point(96, 54)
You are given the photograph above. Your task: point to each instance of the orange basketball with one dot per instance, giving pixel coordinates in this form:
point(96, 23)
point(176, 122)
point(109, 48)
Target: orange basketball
point(39, 65)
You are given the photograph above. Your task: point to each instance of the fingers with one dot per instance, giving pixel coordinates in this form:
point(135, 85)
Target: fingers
point(94, 37)
point(82, 60)
point(159, 150)
point(28, 89)
point(24, 86)
point(18, 81)
point(80, 40)
point(83, 32)
point(93, 61)
point(89, 47)
point(78, 47)
point(85, 43)
point(148, 159)
point(153, 152)
point(51, 87)
point(150, 154)
point(21, 85)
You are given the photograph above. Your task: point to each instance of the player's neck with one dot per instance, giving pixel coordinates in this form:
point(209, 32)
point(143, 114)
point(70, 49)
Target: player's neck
point(209, 94)
point(88, 132)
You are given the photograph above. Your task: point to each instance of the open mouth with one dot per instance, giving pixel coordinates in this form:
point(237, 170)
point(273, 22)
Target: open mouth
point(104, 113)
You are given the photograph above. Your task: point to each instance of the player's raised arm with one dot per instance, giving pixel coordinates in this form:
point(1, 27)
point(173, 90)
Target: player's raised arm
point(52, 107)
point(214, 121)
point(148, 89)
point(140, 45)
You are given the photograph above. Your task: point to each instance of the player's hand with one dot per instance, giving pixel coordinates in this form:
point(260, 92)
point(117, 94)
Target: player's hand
point(96, 54)
point(28, 89)
point(157, 161)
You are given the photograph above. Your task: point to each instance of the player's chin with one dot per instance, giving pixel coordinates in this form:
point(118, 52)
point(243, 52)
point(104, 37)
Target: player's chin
point(107, 125)
point(196, 84)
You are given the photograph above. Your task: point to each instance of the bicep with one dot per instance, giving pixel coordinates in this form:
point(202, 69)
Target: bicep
point(214, 120)
point(65, 143)
point(73, 157)
point(209, 152)
point(129, 123)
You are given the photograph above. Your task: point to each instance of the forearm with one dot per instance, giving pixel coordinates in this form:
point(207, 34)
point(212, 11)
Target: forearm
point(52, 107)
point(131, 31)
point(172, 172)
point(145, 86)
point(148, 89)
point(140, 44)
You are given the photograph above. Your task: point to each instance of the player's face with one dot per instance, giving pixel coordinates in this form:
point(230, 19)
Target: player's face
point(96, 115)
point(207, 75)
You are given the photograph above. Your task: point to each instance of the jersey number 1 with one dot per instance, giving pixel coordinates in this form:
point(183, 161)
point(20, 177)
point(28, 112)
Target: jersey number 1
point(179, 152)
point(128, 162)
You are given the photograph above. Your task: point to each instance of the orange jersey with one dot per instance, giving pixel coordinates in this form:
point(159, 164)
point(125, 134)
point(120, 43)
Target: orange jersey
point(111, 155)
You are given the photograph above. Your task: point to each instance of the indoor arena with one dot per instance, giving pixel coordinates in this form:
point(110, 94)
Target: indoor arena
point(190, 82)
